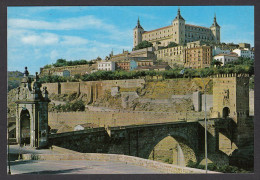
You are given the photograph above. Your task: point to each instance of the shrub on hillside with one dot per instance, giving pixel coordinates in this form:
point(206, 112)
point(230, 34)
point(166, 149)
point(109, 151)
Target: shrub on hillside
point(75, 106)
point(214, 167)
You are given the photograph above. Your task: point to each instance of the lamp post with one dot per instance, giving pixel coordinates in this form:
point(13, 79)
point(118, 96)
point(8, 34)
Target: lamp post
point(8, 152)
point(205, 122)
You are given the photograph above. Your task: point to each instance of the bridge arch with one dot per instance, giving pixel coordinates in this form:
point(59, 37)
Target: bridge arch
point(173, 148)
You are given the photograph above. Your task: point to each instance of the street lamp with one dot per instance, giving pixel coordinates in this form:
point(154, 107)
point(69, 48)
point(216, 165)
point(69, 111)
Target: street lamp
point(205, 122)
point(8, 152)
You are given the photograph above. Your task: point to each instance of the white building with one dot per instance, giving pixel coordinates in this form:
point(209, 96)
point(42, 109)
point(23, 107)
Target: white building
point(245, 53)
point(225, 58)
point(58, 74)
point(217, 50)
point(85, 126)
point(106, 66)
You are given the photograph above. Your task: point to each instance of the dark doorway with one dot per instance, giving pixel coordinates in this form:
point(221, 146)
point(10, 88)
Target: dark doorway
point(226, 112)
point(25, 127)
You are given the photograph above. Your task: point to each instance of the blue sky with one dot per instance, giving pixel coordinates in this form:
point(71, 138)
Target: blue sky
point(40, 35)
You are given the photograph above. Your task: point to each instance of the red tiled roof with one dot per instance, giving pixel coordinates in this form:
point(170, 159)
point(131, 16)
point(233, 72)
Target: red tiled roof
point(232, 55)
point(152, 67)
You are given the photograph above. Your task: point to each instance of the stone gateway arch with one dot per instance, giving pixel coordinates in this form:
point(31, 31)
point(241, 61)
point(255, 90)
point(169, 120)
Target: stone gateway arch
point(32, 113)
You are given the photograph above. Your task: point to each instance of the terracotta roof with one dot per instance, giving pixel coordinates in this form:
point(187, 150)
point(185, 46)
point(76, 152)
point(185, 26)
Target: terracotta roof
point(157, 29)
point(152, 67)
point(196, 26)
point(232, 55)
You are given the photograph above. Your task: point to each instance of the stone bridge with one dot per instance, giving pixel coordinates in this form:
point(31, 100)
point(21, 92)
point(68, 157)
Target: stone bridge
point(179, 142)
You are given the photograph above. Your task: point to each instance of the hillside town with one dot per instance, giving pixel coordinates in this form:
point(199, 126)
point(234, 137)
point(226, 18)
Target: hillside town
point(176, 45)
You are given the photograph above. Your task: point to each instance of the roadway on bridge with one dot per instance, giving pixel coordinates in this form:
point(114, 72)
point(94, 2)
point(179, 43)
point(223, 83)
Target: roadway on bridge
point(77, 167)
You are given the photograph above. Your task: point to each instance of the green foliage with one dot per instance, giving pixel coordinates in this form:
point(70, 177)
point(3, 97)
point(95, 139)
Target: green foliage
point(168, 160)
point(64, 62)
point(14, 79)
point(241, 61)
point(143, 44)
point(77, 76)
point(47, 66)
point(191, 164)
point(172, 44)
point(216, 63)
point(75, 106)
point(247, 67)
point(214, 167)
point(56, 78)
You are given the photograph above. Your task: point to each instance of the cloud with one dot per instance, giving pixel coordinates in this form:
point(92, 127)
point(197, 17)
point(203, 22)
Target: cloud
point(73, 40)
point(42, 39)
point(54, 55)
point(62, 24)
point(75, 23)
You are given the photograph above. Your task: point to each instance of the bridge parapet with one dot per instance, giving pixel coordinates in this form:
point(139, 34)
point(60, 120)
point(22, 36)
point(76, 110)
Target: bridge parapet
point(120, 118)
point(74, 133)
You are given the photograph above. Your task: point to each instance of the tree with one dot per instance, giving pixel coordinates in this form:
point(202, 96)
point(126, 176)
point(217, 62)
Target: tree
point(216, 63)
point(172, 44)
point(77, 106)
point(143, 44)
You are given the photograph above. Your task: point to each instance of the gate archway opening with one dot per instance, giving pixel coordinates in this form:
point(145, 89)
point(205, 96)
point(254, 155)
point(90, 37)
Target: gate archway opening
point(226, 112)
point(25, 126)
point(173, 150)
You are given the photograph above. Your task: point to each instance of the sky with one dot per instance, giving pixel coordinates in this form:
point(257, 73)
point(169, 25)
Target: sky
point(37, 36)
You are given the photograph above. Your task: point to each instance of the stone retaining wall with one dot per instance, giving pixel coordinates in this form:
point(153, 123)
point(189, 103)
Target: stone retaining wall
point(71, 87)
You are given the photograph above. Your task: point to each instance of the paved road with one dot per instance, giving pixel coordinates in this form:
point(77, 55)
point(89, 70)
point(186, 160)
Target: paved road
point(16, 149)
point(77, 167)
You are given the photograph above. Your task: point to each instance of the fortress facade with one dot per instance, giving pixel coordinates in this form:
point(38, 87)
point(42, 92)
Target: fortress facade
point(178, 32)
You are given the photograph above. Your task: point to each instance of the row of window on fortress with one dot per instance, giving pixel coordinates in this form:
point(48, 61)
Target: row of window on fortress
point(186, 33)
point(180, 52)
point(188, 28)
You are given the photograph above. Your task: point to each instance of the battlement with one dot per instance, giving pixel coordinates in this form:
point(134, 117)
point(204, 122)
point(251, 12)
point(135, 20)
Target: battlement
point(229, 75)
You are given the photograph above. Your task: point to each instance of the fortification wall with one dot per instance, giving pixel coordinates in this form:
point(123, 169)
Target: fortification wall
point(51, 87)
point(69, 87)
point(84, 87)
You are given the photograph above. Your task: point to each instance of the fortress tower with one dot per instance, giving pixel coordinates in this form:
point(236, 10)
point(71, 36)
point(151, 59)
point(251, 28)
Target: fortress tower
point(178, 25)
point(138, 31)
point(231, 96)
point(215, 28)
